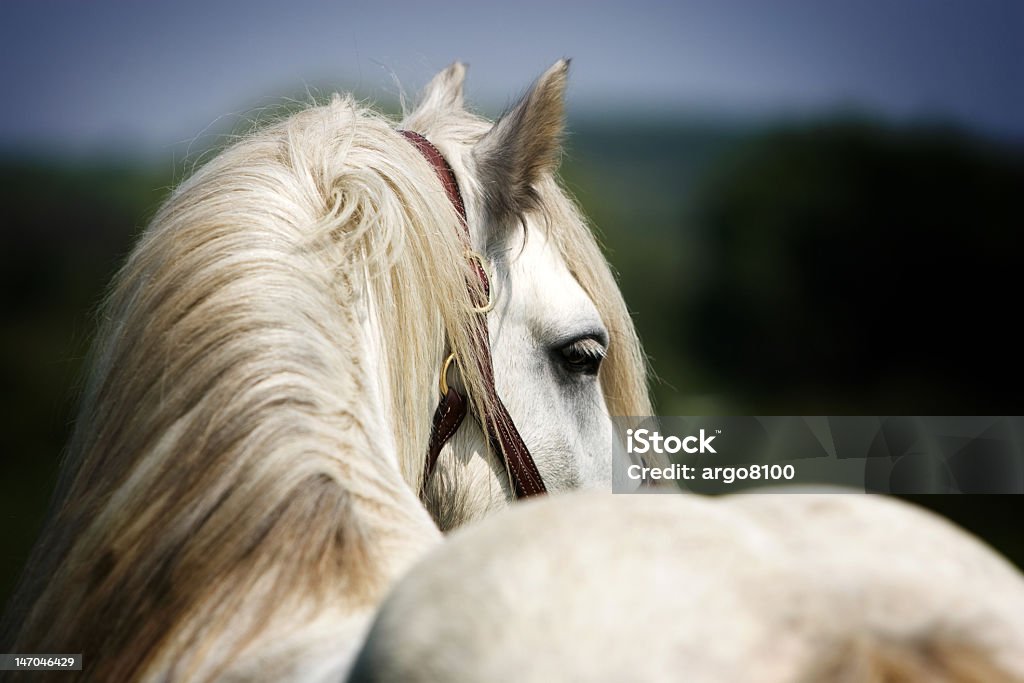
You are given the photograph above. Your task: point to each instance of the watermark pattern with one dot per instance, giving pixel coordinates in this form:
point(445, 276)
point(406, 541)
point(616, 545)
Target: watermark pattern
point(727, 454)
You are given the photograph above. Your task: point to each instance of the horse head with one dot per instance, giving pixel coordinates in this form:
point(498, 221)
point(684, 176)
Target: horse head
point(564, 351)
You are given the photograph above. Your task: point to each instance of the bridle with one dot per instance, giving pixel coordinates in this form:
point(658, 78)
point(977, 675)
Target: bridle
point(451, 409)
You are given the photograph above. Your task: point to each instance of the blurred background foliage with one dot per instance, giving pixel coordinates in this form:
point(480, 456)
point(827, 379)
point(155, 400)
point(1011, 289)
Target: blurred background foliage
point(835, 266)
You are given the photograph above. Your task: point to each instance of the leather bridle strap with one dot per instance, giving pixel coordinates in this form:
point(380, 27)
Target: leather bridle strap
point(498, 425)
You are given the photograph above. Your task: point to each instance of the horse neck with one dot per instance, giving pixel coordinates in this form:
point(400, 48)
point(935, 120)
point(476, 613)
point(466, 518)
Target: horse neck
point(230, 400)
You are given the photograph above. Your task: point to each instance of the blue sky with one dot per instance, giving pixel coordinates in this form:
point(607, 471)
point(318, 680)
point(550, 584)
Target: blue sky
point(90, 76)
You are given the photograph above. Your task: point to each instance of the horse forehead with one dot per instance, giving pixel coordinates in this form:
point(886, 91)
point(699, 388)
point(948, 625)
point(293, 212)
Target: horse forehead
point(538, 268)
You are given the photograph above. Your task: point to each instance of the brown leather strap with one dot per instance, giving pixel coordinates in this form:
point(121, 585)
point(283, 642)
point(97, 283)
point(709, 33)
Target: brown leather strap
point(447, 417)
point(501, 430)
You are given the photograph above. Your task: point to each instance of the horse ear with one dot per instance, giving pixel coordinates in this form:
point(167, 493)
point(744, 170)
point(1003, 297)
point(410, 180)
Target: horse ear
point(444, 91)
point(523, 145)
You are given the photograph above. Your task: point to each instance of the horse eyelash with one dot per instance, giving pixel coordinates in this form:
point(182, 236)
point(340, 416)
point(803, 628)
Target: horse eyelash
point(590, 347)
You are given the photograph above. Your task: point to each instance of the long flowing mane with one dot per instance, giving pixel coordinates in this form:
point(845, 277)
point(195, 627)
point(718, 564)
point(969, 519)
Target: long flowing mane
point(237, 472)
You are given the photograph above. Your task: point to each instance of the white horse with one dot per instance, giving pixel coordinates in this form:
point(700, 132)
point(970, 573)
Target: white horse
point(243, 484)
point(779, 588)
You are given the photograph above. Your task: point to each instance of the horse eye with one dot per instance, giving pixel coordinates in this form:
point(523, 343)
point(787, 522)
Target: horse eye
point(582, 356)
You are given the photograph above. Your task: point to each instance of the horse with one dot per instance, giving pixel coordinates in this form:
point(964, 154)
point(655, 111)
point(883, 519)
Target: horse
point(788, 587)
point(247, 474)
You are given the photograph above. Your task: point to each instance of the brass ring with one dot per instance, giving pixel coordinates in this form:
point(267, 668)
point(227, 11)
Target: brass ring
point(488, 281)
point(442, 383)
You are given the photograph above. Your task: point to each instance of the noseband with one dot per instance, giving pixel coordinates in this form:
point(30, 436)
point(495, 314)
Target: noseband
point(451, 409)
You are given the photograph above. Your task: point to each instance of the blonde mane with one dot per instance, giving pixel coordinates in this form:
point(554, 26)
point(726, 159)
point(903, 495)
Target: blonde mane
point(234, 469)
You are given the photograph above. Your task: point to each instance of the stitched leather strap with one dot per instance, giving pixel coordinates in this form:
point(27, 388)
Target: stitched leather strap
point(498, 425)
point(447, 417)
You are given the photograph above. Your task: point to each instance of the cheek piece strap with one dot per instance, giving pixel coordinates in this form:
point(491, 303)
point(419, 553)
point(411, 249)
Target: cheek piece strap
point(451, 409)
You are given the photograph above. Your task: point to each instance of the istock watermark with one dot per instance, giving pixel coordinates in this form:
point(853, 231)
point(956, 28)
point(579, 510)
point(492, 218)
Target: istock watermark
point(887, 454)
point(646, 441)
